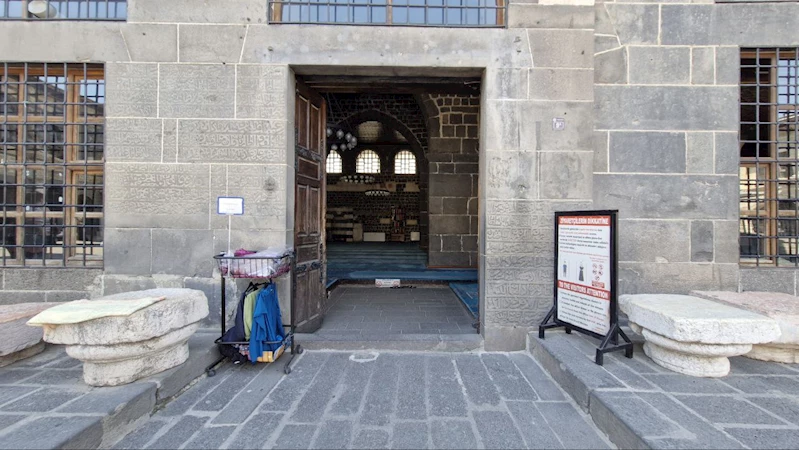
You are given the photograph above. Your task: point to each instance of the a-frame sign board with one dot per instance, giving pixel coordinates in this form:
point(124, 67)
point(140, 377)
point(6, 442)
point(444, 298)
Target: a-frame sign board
point(586, 268)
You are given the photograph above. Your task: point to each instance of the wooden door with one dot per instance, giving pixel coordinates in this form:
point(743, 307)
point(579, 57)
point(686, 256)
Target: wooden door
point(309, 208)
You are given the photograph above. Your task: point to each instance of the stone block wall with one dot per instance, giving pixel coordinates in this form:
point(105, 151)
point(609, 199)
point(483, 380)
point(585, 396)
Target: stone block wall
point(666, 143)
point(207, 89)
point(200, 104)
point(453, 123)
point(528, 169)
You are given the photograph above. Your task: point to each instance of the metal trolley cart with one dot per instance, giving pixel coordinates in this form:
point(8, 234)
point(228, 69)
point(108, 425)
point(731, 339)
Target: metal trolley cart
point(261, 268)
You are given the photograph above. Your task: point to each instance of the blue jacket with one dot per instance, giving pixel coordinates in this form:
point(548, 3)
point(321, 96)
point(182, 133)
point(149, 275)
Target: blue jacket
point(267, 323)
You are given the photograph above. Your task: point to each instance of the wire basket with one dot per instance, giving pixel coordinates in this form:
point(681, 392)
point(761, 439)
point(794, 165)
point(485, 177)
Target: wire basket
point(253, 266)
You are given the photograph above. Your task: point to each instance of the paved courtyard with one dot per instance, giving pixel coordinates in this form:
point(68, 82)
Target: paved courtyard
point(374, 400)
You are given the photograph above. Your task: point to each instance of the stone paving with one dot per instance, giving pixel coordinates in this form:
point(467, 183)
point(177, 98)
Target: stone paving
point(641, 404)
point(374, 400)
point(364, 310)
point(44, 402)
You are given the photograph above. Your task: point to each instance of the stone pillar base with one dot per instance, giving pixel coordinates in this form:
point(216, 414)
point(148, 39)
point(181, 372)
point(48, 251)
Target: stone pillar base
point(788, 354)
point(113, 365)
point(130, 370)
point(689, 358)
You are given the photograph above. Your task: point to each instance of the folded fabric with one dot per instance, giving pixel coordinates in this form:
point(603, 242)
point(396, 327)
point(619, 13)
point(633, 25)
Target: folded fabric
point(84, 310)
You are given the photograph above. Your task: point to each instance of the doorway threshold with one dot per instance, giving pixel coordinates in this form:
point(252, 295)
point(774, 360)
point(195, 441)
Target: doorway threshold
point(394, 342)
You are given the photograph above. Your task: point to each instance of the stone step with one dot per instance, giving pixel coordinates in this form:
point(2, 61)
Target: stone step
point(571, 366)
point(99, 417)
point(639, 404)
point(382, 341)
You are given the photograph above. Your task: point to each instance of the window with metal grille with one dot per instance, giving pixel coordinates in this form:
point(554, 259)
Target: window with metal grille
point(334, 164)
point(432, 13)
point(769, 202)
point(51, 164)
point(405, 163)
point(367, 162)
point(63, 9)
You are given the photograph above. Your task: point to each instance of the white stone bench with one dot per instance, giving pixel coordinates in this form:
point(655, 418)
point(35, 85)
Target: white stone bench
point(121, 349)
point(692, 335)
point(783, 308)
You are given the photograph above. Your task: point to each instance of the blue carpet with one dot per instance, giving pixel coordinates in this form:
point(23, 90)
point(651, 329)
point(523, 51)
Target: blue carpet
point(469, 294)
point(370, 260)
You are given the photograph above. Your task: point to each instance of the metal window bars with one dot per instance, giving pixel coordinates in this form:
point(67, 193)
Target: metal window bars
point(418, 13)
point(405, 163)
point(367, 162)
point(769, 157)
point(103, 10)
point(51, 164)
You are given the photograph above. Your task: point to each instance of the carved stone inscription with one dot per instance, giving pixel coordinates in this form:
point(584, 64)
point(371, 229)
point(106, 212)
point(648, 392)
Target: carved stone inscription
point(165, 195)
point(232, 141)
point(132, 90)
point(197, 91)
point(133, 140)
point(261, 92)
point(518, 263)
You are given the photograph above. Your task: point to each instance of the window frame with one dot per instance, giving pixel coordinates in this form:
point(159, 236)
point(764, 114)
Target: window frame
point(75, 163)
point(358, 164)
point(5, 10)
point(768, 238)
point(337, 160)
point(398, 161)
point(499, 9)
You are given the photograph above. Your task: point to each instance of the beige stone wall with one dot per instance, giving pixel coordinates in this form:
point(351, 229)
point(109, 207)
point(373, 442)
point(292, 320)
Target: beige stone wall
point(200, 104)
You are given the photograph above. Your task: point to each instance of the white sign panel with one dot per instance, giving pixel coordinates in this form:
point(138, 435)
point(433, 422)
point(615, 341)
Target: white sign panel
point(584, 261)
point(230, 206)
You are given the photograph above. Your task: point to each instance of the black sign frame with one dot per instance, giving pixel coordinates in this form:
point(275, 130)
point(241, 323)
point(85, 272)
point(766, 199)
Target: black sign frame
point(609, 341)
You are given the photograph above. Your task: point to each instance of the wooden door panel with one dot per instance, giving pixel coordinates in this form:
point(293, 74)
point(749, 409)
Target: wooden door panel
point(301, 224)
point(309, 231)
point(302, 121)
point(315, 129)
point(314, 209)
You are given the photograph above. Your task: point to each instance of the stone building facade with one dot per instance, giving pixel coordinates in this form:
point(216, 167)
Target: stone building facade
point(200, 103)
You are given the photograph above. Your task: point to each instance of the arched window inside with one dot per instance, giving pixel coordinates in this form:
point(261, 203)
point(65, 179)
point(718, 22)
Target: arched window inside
point(367, 162)
point(334, 162)
point(405, 163)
